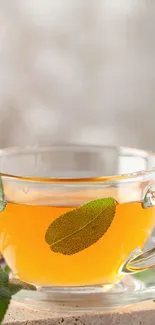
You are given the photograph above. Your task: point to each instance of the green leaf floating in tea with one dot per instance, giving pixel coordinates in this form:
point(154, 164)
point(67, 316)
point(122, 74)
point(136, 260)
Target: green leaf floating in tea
point(2, 202)
point(82, 227)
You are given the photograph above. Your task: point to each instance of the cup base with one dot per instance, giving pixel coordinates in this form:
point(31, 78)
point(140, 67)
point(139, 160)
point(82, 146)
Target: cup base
point(77, 300)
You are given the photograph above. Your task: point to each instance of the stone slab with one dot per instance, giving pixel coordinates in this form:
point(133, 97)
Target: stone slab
point(138, 314)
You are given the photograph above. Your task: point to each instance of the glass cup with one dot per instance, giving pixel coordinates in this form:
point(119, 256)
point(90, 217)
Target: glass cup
point(75, 219)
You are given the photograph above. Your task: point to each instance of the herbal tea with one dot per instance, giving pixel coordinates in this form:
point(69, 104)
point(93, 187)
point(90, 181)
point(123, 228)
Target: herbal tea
point(48, 245)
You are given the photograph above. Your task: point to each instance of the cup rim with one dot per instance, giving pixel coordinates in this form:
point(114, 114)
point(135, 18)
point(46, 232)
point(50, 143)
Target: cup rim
point(138, 175)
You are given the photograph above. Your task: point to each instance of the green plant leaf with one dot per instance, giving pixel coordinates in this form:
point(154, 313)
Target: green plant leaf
point(7, 269)
point(5, 295)
point(7, 289)
point(5, 298)
point(4, 279)
point(80, 228)
point(2, 202)
point(15, 285)
point(146, 276)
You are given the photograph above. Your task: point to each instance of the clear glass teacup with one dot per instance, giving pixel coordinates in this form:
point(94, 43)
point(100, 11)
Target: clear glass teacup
point(76, 217)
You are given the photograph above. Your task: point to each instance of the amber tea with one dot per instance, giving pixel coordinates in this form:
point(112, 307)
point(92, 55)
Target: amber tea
point(44, 248)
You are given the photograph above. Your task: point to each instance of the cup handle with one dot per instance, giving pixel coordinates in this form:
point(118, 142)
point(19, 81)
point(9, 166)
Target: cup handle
point(138, 260)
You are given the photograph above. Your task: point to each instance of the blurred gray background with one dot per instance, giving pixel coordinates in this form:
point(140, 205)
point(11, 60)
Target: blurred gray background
point(77, 71)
